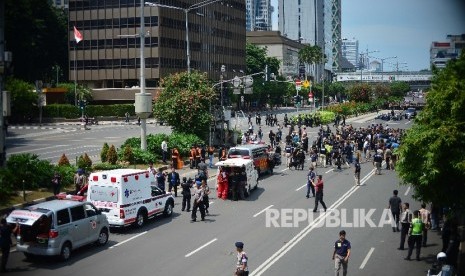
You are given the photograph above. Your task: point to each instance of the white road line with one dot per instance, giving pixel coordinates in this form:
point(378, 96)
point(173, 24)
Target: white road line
point(37, 149)
point(304, 232)
point(408, 190)
point(284, 170)
point(200, 248)
point(301, 187)
point(330, 171)
point(257, 214)
point(367, 258)
point(408, 122)
point(125, 241)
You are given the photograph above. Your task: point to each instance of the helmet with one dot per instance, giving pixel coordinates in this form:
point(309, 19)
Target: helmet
point(441, 256)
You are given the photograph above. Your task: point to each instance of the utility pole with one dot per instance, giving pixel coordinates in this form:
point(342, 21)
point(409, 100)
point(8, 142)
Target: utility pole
point(2, 71)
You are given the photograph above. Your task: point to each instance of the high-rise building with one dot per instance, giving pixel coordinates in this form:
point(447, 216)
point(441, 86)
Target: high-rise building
point(442, 52)
point(336, 34)
point(108, 55)
point(349, 50)
point(60, 3)
point(258, 15)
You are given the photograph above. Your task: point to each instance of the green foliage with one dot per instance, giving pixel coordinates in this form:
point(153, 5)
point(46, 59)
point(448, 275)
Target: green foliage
point(112, 157)
point(336, 89)
point(64, 161)
point(23, 100)
point(67, 174)
point(183, 142)
point(106, 166)
point(325, 117)
point(399, 89)
point(61, 111)
point(6, 186)
point(184, 103)
point(37, 34)
point(70, 111)
point(104, 152)
point(84, 162)
point(82, 92)
point(256, 60)
point(127, 154)
point(381, 91)
point(431, 154)
point(36, 173)
point(311, 54)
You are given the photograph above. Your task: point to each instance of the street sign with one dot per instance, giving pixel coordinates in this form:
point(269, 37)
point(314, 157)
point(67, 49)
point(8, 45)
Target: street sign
point(248, 90)
point(306, 83)
point(236, 81)
point(248, 82)
point(236, 91)
point(242, 99)
point(298, 83)
point(298, 88)
point(310, 95)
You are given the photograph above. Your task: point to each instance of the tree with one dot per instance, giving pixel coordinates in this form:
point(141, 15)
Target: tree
point(381, 91)
point(112, 157)
point(82, 92)
point(311, 54)
point(104, 152)
point(43, 42)
point(399, 89)
point(128, 155)
point(337, 89)
point(431, 154)
point(184, 103)
point(23, 100)
point(64, 161)
point(360, 92)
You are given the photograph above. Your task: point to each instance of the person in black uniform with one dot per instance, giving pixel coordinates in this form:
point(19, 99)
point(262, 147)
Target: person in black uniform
point(5, 242)
point(173, 181)
point(186, 186)
point(234, 184)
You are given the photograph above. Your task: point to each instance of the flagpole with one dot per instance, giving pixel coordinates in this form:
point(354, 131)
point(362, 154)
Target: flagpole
point(75, 76)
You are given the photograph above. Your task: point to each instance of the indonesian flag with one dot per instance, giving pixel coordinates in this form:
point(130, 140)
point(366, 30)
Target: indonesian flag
point(77, 35)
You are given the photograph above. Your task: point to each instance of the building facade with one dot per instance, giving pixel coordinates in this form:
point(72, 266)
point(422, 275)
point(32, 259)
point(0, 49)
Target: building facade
point(280, 47)
point(442, 52)
point(350, 51)
point(108, 56)
point(258, 15)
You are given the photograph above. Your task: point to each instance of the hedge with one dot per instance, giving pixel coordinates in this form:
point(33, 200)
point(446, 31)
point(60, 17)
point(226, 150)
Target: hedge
point(70, 111)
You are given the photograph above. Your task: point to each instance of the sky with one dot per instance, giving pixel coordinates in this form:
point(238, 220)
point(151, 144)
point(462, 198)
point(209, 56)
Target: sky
point(402, 28)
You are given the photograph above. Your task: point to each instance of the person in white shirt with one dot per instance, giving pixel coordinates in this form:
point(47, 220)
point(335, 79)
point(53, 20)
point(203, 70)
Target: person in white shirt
point(164, 150)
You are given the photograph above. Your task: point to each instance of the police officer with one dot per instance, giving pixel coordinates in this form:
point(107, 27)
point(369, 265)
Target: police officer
point(415, 235)
point(310, 179)
point(357, 172)
point(198, 202)
point(5, 242)
point(377, 160)
point(186, 186)
point(341, 253)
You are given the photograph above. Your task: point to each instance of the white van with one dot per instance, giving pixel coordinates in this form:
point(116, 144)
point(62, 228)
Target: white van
point(239, 164)
point(127, 196)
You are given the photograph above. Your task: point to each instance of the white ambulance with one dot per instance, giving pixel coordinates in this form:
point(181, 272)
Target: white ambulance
point(127, 196)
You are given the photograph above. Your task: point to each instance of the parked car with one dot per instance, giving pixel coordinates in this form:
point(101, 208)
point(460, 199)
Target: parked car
point(410, 113)
point(56, 227)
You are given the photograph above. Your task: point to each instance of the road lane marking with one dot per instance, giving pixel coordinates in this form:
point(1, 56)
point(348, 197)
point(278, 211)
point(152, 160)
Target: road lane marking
point(284, 170)
point(257, 214)
point(408, 190)
point(125, 241)
point(200, 248)
point(37, 149)
point(304, 232)
point(367, 257)
point(298, 189)
point(407, 122)
point(330, 171)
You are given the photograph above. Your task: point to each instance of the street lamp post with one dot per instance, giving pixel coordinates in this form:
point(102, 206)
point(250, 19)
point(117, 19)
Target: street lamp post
point(362, 61)
point(186, 11)
point(382, 66)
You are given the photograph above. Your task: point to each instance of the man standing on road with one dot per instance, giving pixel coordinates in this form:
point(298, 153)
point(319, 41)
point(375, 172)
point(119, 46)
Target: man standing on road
point(415, 233)
point(5, 242)
point(426, 219)
point(377, 160)
point(319, 193)
point(341, 253)
point(310, 179)
point(395, 205)
point(160, 179)
point(405, 219)
point(242, 268)
point(164, 150)
point(173, 181)
point(358, 168)
point(186, 194)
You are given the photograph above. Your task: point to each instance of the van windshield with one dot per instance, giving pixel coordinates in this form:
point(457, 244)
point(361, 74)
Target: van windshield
point(103, 193)
point(241, 152)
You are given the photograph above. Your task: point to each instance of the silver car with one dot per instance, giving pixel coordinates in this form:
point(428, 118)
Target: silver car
point(55, 228)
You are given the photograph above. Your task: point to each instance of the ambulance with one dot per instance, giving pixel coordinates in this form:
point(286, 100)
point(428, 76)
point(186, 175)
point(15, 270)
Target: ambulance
point(128, 196)
point(239, 165)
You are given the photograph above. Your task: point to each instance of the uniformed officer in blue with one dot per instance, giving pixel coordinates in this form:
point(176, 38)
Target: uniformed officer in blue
point(341, 253)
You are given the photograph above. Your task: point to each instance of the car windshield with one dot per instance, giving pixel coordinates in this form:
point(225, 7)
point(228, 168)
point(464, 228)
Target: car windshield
point(411, 110)
point(238, 152)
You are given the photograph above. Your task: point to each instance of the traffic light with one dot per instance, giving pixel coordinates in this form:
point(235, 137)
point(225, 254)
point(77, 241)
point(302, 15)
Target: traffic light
point(297, 99)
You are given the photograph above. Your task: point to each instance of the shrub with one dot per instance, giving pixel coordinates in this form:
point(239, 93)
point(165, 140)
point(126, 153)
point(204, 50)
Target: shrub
point(112, 157)
point(182, 142)
point(63, 161)
point(36, 173)
point(67, 174)
point(106, 166)
point(128, 155)
point(104, 152)
point(84, 162)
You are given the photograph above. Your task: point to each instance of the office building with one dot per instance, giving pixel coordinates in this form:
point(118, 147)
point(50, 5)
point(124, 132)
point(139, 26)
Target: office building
point(258, 15)
point(108, 55)
point(442, 52)
point(350, 51)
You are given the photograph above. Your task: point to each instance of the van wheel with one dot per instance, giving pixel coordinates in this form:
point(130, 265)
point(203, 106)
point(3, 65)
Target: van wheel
point(28, 256)
point(102, 237)
point(65, 252)
point(168, 209)
point(140, 219)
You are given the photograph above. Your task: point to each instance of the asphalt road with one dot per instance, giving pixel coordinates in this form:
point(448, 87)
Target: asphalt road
point(176, 246)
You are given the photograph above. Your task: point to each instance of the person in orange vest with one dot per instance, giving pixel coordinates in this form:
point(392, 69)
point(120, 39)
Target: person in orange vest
point(192, 157)
point(198, 155)
point(222, 188)
point(175, 158)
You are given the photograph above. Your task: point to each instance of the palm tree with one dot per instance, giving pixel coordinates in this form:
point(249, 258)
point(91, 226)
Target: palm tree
point(311, 55)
